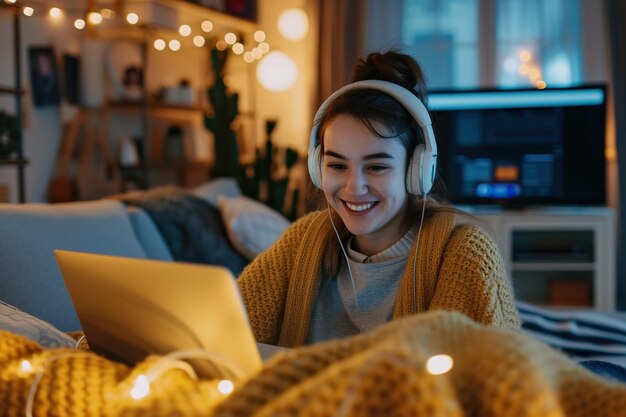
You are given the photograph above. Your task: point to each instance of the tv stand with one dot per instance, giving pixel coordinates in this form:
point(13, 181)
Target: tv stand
point(557, 256)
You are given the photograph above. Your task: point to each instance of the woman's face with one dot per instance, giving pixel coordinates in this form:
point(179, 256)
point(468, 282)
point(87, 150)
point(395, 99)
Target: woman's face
point(363, 178)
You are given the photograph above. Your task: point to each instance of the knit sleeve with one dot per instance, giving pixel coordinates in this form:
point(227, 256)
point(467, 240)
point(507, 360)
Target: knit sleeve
point(264, 283)
point(472, 280)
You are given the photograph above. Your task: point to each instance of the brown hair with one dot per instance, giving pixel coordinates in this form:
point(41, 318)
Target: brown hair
point(373, 105)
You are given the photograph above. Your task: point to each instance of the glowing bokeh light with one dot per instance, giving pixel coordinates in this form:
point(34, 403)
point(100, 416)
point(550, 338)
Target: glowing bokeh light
point(293, 24)
point(277, 72)
point(439, 364)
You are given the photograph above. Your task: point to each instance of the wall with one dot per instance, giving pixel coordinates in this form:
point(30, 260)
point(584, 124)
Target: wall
point(43, 126)
point(292, 108)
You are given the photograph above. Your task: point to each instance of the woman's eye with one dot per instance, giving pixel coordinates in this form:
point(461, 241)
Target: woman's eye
point(378, 168)
point(336, 166)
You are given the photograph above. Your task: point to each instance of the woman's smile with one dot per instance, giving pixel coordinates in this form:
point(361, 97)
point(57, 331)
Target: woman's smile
point(359, 209)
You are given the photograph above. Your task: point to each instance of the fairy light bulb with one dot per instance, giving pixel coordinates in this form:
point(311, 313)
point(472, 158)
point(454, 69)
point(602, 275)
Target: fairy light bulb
point(206, 26)
point(523, 69)
point(225, 386)
point(259, 36)
point(221, 45)
point(108, 13)
point(141, 388)
point(199, 41)
point(247, 56)
point(184, 30)
point(159, 44)
point(525, 56)
point(28, 11)
point(257, 53)
point(174, 45)
point(439, 364)
point(94, 18)
point(26, 366)
point(79, 24)
point(55, 12)
point(230, 38)
point(132, 18)
point(11, 1)
point(264, 47)
point(238, 48)
point(534, 74)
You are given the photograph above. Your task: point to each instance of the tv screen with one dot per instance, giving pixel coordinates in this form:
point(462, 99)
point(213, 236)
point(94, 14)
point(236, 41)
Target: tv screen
point(523, 147)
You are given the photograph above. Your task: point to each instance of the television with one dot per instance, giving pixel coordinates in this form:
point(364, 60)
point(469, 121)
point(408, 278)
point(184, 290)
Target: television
point(522, 147)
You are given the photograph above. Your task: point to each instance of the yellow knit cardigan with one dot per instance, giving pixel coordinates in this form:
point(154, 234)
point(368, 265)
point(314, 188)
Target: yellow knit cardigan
point(459, 268)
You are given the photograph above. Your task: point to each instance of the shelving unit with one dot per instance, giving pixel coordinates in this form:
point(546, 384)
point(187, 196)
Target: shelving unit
point(19, 162)
point(155, 118)
point(559, 257)
point(148, 120)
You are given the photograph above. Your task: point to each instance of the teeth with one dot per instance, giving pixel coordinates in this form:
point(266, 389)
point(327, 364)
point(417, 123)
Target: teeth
point(359, 207)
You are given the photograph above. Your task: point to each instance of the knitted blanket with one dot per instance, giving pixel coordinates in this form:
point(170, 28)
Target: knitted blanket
point(385, 372)
point(191, 227)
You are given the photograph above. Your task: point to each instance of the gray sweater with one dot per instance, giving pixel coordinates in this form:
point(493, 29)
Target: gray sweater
point(376, 281)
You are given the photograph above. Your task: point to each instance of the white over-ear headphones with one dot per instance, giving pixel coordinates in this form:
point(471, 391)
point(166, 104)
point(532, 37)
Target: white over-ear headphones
point(420, 174)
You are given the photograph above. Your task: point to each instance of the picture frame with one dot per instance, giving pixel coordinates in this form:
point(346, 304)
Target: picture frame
point(245, 9)
point(44, 76)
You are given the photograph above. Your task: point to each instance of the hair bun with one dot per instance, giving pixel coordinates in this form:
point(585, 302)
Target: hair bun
point(393, 66)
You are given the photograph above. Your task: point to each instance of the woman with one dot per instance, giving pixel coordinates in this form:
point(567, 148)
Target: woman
point(381, 247)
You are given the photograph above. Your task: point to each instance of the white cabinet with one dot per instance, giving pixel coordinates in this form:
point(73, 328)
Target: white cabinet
point(558, 257)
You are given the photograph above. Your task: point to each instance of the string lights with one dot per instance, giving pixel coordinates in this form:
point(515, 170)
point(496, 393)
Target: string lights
point(187, 33)
point(434, 365)
point(221, 372)
point(529, 69)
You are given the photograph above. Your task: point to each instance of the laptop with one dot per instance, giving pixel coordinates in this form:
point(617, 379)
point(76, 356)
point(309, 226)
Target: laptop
point(130, 308)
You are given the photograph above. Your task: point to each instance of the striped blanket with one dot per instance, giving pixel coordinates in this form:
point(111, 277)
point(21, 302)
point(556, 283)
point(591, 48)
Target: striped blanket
point(584, 335)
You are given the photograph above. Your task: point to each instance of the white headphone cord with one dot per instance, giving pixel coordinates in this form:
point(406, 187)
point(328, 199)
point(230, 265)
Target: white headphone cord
point(417, 242)
point(356, 302)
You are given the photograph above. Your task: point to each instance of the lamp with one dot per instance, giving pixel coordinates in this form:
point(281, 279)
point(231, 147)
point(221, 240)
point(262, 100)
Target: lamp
point(277, 72)
point(293, 24)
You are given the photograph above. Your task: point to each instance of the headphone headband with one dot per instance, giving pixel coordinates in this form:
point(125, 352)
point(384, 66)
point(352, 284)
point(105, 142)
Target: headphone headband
point(409, 101)
point(419, 181)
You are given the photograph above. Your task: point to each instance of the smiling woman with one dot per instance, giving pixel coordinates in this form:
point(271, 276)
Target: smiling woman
point(365, 183)
point(384, 244)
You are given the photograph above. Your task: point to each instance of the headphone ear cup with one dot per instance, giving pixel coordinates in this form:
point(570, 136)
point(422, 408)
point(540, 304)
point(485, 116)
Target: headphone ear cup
point(315, 166)
point(413, 172)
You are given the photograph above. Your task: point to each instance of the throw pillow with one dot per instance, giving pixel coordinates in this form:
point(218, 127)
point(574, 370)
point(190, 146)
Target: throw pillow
point(212, 190)
point(16, 321)
point(192, 228)
point(250, 225)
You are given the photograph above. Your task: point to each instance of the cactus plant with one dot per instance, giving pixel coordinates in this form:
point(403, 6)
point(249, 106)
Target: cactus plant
point(257, 180)
point(225, 109)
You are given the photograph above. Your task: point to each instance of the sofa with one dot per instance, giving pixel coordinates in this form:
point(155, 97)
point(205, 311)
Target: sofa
point(381, 372)
point(212, 223)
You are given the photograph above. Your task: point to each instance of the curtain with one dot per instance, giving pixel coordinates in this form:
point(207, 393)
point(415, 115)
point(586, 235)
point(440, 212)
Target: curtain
point(616, 18)
point(340, 32)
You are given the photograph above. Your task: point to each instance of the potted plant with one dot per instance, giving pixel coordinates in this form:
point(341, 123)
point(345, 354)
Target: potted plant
point(9, 136)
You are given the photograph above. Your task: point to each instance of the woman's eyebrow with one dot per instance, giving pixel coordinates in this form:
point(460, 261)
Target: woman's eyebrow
point(378, 155)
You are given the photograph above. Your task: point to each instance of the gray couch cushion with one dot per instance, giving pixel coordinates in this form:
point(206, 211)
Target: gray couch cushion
point(29, 276)
point(148, 235)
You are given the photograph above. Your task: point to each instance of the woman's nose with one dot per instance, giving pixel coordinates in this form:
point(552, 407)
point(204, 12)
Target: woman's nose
point(356, 183)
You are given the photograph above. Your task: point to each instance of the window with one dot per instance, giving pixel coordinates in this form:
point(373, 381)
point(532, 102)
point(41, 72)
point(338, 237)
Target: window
point(508, 43)
point(444, 37)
